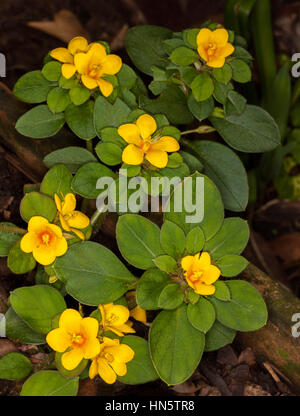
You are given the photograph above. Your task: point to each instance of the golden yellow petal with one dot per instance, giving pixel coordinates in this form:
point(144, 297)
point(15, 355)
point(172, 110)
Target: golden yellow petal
point(44, 255)
point(120, 314)
point(78, 233)
point(166, 143)
point(132, 155)
point(57, 202)
point(58, 339)
point(203, 289)
point(111, 64)
point(220, 36)
point(105, 87)
point(61, 247)
point(69, 204)
point(204, 261)
point(130, 133)
point(68, 70)
point(106, 372)
point(202, 52)
point(64, 223)
point(211, 275)
point(78, 220)
point(72, 359)
point(62, 55)
point(146, 125)
point(78, 44)
point(119, 367)
point(227, 50)
point(216, 62)
point(91, 348)
point(122, 353)
point(204, 36)
point(70, 320)
point(81, 62)
point(28, 242)
point(93, 371)
point(138, 314)
point(157, 158)
point(126, 329)
point(36, 223)
point(89, 327)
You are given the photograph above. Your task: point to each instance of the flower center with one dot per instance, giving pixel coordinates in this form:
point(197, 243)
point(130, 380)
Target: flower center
point(95, 70)
point(112, 318)
point(45, 238)
point(196, 276)
point(211, 49)
point(109, 357)
point(145, 146)
point(77, 339)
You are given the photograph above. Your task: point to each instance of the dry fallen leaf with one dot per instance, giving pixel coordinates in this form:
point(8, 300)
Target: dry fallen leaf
point(65, 26)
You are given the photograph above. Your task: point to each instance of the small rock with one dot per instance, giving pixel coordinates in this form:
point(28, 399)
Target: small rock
point(247, 356)
point(255, 390)
point(6, 347)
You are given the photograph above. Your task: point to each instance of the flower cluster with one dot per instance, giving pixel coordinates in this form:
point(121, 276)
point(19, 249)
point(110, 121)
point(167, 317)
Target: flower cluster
point(46, 241)
point(90, 61)
point(200, 273)
point(144, 144)
point(81, 338)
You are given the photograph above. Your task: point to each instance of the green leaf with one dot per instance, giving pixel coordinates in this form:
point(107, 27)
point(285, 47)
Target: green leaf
point(57, 181)
point(18, 261)
point(80, 120)
point(190, 36)
point(79, 94)
point(49, 383)
point(240, 71)
point(126, 77)
point(138, 240)
point(212, 218)
point(200, 110)
point(109, 115)
point(175, 160)
point(252, 131)
point(165, 263)
point(183, 56)
point(20, 331)
point(93, 275)
point(40, 123)
point(176, 347)
point(218, 336)
point(144, 45)
point(235, 103)
point(149, 288)
point(195, 240)
point(32, 87)
point(246, 311)
point(172, 103)
point(231, 238)
point(67, 373)
point(37, 305)
point(221, 91)
point(58, 100)
point(171, 297)
point(201, 315)
point(7, 238)
point(52, 70)
point(140, 370)
point(223, 74)
point(67, 83)
point(202, 86)
point(85, 180)
point(37, 204)
point(73, 157)
point(231, 264)
point(193, 163)
point(109, 153)
point(15, 366)
point(226, 170)
point(171, 44)
point(222, 292)
point(172, 239)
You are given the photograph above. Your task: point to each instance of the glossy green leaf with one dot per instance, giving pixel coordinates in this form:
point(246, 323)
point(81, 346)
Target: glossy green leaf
point(57, 181)
point(165, 263)
point(20, 331)
point(171, 297)
point(183, 56)
point(235, 103)
point(49, 383)
point(231, 264)
point(79, 94)
point(7, 238)
point(37, 204)
point(32, 87)
point(80, 120)
point(202, 86)
point(195, 240)
point(140, 370)
point(176, 347)
point(172, 239)
point(58, 100)
point(201, 315)
point(40, 123)
point(109, 115)
point(200, 110)
point(85, 180)
point(222, 291)
point(73, 157)
point(52, 70)
point(223, 74)
point(93, 275)
point(149, 288)
point(18, 261)
point(240, 71)
point(109, 153)
point(15, 366)
point(37, 305)
point(138, 240)
point(246, 311)
point(218, 336)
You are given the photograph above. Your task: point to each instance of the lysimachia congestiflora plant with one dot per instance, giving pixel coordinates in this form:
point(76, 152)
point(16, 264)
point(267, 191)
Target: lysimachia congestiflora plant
point(182, 270)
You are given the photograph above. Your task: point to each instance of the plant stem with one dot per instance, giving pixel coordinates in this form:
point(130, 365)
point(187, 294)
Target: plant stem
point(89, 145)
point(199, 130)
point(16, 230)
point(97, 219)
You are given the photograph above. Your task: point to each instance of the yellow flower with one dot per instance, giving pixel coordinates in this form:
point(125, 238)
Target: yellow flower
point(95, 64)
point(68, 217)
point(111, 361)
point(114, 318)
point(66, 56)
point(44, 240)
point(213, 46)
point(76, 337)
point(200, 273)
point(142, 145)
point(138, 314)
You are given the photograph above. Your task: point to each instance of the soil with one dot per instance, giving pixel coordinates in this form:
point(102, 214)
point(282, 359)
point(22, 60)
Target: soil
point(230, 371)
